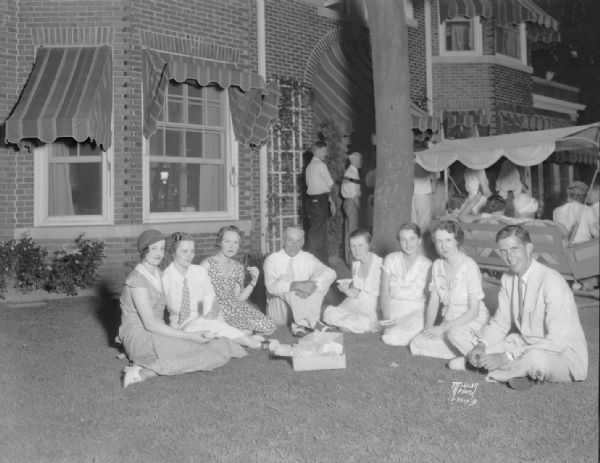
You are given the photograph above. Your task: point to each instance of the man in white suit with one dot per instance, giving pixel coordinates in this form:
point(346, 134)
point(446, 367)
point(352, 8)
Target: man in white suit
point(550, 344)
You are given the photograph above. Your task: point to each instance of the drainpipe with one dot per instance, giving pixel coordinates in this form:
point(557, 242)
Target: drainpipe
point(262, 154)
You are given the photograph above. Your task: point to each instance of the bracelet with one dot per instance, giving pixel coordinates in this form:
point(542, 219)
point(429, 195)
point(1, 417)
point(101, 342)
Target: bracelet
point(252, 284)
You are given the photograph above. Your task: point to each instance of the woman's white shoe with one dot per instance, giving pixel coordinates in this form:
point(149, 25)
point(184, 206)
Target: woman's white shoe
point(131, 375)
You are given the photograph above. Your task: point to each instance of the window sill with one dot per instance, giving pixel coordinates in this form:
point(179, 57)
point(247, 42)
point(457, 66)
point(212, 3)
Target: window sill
point(483, 59)
point(103, 232)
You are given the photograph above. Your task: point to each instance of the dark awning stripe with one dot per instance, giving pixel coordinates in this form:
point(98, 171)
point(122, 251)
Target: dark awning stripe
point(343, 89)
point(253, 107)
point(468, 119)
point(450, 9)
point(68, 94)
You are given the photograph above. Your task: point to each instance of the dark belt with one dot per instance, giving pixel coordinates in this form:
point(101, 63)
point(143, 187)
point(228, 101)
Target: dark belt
point(319, 196)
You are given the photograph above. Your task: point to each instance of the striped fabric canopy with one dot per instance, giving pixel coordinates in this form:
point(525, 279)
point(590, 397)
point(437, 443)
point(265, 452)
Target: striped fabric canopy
point(343, 88)
point(68, 94)
point(540, 25)
point(450, 9)
point(253, 106)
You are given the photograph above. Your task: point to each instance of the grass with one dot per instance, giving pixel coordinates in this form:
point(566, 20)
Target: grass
point(62, 401)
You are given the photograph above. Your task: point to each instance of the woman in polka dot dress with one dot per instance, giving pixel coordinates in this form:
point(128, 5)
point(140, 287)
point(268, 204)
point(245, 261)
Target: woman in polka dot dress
point(227, 278)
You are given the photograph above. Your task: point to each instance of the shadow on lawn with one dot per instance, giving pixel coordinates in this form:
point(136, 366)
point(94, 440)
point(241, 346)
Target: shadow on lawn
point(108, 311)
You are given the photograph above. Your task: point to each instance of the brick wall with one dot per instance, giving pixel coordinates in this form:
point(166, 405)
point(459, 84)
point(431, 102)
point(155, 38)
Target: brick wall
point(224, 31)
point(416, 56)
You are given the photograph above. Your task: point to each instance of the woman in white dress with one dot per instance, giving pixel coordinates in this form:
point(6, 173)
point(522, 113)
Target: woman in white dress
point(403, 281)
point(191, 297)
point(456, 287)
point(358, 312)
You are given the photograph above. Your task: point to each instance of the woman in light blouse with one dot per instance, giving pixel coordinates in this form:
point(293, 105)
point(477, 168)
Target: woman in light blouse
point(358, 312)
point(403, 281)
point(193, 308)
point(456, 287)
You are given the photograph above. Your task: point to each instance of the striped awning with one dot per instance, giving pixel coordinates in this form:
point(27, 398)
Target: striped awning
point(468, 118)
point(343, 89)
point(540, 25)
point(68, 94)
point(511, 122)
point(253, 105)
point(450, 9)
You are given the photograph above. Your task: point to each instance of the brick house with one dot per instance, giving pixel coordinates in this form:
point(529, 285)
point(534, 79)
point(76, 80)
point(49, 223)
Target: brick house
point(123, 115)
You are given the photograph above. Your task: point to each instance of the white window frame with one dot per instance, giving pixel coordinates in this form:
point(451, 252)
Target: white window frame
point(477, 38)
point(40, 193)
point(231, 169)
point(522, 45)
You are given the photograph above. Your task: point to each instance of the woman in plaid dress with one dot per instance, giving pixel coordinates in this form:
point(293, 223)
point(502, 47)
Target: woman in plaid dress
point(227, 278)
point(154, 347)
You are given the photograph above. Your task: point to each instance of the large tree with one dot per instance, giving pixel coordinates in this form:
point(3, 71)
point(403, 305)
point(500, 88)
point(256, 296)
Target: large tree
point(395, 160)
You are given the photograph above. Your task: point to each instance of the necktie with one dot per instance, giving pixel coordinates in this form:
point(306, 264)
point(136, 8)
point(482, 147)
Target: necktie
point(520, 284)
point(184, 311)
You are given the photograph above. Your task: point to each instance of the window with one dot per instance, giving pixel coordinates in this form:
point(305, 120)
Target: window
point(72, 183)
point(190, 174)
point(461, 37)
point(510, 41)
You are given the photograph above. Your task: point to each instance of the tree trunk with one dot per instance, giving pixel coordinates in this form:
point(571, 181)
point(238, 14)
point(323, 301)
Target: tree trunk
point(395, 159)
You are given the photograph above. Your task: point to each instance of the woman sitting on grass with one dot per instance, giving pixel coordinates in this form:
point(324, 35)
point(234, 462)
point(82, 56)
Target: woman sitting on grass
point(456, 287)
point(403, 281)
point(358, 312)
point(153, 347)
point(227, 277)
point(190, 294)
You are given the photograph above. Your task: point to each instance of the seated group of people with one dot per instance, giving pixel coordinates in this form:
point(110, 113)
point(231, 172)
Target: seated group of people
point(437, 309)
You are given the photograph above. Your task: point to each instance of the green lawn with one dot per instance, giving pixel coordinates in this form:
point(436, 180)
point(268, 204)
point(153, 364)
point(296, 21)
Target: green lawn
point(61, 400)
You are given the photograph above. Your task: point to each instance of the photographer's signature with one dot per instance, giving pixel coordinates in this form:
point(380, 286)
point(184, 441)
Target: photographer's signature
point(463, 393)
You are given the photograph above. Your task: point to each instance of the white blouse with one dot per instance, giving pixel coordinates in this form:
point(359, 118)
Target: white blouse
point(407, 284)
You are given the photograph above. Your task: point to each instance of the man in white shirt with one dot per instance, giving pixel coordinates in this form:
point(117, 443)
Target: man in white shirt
point(296, 281)
point(577, 218)
point(351, 193)
point(319, 203)
point(550, 344)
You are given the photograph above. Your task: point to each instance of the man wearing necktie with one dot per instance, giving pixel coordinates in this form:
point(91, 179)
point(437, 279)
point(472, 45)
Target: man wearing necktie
point(550, 344)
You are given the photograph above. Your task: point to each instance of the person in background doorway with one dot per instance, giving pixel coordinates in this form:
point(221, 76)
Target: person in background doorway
point(350, 191)
point(319, 203)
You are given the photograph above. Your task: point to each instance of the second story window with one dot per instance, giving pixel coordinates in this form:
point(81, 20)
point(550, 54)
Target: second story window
point(511, 41)
point(461, 37)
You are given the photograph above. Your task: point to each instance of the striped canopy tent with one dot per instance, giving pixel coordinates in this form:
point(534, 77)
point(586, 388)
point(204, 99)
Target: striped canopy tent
point(343, 88)
point(253, 105)
point(523, 148)
point(68, 94)
point(540, 25)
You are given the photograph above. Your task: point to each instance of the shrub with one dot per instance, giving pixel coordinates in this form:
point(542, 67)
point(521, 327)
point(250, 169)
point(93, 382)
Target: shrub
point(75, 270)
point(26, 263)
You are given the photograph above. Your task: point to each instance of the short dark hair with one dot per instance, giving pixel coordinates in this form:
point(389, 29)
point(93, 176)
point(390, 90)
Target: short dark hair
point(225, 229)
point(410, 226)
point(319, 144)
point(494, 203)
point(451, 227)
point(455, 202)
point(514, 230)
point(362, 232)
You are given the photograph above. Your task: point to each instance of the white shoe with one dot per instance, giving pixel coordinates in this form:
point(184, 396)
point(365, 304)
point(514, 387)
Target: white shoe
point(131, 375)
point(458, 363)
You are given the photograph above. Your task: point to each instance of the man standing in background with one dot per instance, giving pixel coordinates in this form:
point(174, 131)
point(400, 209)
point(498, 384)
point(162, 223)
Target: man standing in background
point(319, 203)
point(351, 193)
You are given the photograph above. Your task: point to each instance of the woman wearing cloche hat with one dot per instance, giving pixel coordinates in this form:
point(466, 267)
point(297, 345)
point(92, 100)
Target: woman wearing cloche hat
point(153, 347)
